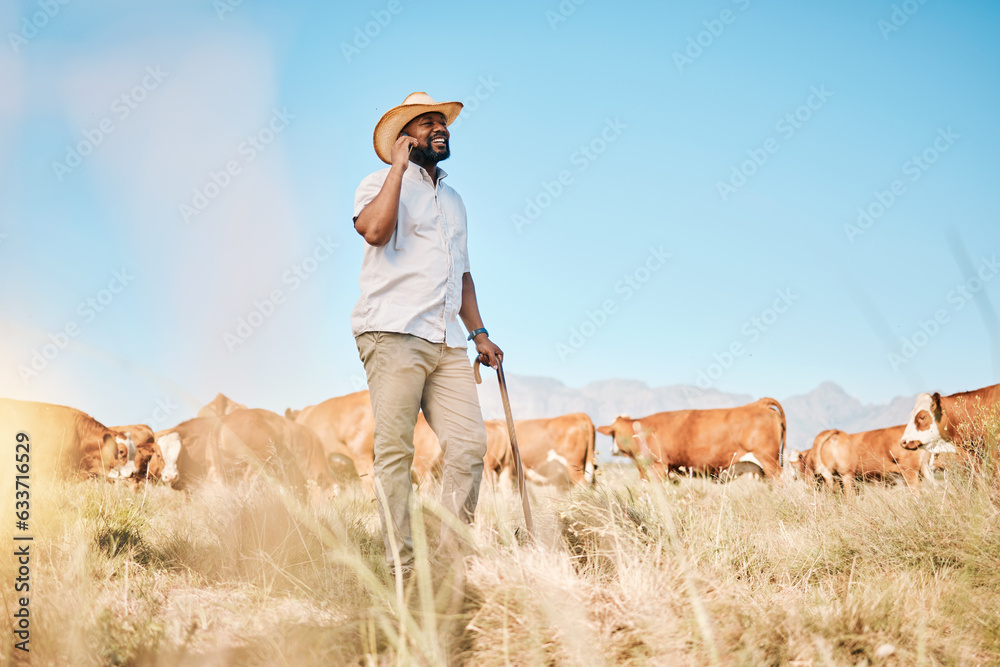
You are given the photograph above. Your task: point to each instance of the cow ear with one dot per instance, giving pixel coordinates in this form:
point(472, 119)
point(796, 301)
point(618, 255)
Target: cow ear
point(936, 406)
point(606, 430)
point(111, 441)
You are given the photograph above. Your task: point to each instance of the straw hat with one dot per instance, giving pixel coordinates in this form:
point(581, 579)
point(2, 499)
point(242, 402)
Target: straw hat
point(392, 123)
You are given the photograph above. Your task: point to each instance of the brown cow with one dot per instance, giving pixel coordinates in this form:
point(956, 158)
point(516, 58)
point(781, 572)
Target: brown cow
point(938, 423)
point(145, 460)
point(63, 439)
point(558, 451)
point(497, 460)
point(347, 422)
point(251, 440)
point(875, 453)
point(703, 440)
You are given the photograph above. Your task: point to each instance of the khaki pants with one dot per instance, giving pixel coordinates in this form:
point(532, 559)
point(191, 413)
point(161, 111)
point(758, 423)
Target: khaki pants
point(405, 374)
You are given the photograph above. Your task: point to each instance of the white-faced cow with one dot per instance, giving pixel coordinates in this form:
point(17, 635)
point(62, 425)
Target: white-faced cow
point(938, 423)
point(246, 441)
point(145, 460)
point(188, 451)
point(703, 440)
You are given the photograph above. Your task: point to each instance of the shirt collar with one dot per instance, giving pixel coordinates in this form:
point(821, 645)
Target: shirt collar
point(419, 173)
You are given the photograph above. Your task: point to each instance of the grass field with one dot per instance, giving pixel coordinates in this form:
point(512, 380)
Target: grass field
point(626, 573)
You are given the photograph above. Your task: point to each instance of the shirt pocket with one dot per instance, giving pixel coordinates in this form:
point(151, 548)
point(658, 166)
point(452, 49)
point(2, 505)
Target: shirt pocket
point(417, 226)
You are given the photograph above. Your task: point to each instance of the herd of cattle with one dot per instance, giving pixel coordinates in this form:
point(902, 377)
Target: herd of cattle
point(320, 449)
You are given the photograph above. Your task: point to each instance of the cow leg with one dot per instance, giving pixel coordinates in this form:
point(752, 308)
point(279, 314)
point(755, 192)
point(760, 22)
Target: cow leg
point(926, 466)
point(771, 468)
point(848, 481)
point(504, 478)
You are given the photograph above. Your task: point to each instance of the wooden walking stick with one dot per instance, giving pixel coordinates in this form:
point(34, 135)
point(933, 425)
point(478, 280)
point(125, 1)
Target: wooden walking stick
point(518, 465)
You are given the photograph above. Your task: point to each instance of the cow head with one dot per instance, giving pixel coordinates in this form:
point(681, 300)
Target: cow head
point(795, 463)
point(114, 450)
point(618, 431)
point(148, 461)
point(170, 450)
point(125, 458)
point(923, 429)
point(628, 438)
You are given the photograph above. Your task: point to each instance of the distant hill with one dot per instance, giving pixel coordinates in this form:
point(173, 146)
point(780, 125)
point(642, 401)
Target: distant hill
point(826, 406)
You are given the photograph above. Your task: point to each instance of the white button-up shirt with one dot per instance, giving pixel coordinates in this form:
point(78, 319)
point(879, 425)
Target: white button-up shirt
point(413, 284)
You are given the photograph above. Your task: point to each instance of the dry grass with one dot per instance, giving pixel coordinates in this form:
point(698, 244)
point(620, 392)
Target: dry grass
point(628, 573)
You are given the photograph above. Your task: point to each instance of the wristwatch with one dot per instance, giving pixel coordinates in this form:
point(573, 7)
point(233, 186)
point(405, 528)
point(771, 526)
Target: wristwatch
point(476, 332)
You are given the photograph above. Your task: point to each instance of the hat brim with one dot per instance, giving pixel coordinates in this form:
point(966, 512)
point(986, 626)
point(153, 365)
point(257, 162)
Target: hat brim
point(396, 118)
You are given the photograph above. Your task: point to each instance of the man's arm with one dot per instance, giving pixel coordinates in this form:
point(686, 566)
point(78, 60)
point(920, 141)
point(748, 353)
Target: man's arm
point(377, 220)
point(488, 351)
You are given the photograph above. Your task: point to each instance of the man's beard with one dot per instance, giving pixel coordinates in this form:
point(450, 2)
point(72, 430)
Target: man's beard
point(430, 154)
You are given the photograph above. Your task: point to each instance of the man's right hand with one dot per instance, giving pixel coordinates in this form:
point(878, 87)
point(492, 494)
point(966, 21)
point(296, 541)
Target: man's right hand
point(377, 221)
point(400, 154)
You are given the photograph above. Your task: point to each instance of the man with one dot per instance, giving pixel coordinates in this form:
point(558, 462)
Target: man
point(415, 283)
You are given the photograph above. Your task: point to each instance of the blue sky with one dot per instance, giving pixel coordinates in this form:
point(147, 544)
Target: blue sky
point(739, 138)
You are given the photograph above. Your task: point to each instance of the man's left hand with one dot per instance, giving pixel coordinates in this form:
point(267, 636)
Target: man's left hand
point(489, 353)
